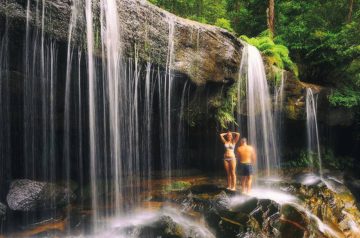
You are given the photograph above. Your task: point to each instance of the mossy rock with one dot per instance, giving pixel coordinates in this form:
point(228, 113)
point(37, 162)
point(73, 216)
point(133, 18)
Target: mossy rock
point(177, 186)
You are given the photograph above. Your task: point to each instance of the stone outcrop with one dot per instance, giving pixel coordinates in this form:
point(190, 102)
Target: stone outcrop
point(201, 52)
point(29, 195)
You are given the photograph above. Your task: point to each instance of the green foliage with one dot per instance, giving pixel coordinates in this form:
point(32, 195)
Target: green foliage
point(205, 11)
point(303, 160)
point(224, 107)
point(338, 163)
point(345, 97)
point(317, 36)
point(176, 186)
point(275, 54)
point(224, 23)
point(247, 17)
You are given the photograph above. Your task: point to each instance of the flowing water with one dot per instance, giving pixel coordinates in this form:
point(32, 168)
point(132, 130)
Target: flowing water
point(312, 130)
point(110, 109)
point(279, 112)
point(5, 122)
point(107, 123)
point(260, 124)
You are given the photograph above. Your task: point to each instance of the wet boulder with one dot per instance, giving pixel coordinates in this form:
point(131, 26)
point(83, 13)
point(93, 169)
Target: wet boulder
point(29, 195)
point(246, 207)
point(293, 223)
point(232, 224)
point(164, 227)
point(307, 179)
point(264, 211)
point(204, 202)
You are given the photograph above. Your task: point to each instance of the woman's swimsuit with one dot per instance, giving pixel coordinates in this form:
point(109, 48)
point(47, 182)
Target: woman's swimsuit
point(229, 147)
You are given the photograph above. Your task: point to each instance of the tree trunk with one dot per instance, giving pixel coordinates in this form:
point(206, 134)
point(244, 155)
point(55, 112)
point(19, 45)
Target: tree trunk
point(271, 17)
point(351, 5)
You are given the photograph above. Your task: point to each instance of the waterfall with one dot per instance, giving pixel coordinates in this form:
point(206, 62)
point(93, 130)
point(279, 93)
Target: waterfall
point(111, 50)
point(5, 122)
point(91, 116)
point(40, 70)
point(312, 129)
point(278, 111)
point(166, 91)
point(260, 124)
point(93, 135)
point(180, 130)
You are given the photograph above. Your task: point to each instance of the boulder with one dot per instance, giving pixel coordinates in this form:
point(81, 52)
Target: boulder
point(29, 195)
point(293, 222)
point(202, 198)
point(232, 224)
point(164, 227)
point(202, 52)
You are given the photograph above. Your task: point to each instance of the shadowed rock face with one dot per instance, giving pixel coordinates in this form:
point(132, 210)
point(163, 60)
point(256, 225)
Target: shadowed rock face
point(202, 52)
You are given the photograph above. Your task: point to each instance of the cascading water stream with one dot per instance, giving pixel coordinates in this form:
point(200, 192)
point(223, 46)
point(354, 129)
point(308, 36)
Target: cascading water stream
point(180, 129)
point(110, 35)
point(166, 89)
point(278, 112)
point(312, 130)
point(5, 122)
point(260, 124)
point(91, 74)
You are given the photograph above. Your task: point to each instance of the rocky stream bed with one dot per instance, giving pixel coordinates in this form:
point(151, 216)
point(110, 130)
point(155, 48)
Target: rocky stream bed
point(301, 205)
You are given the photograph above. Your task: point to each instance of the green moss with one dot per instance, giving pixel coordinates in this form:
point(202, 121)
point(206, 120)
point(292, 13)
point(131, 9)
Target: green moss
point(176, 186)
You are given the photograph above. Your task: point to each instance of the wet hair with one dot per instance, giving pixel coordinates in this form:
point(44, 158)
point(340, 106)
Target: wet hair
point(243, 140)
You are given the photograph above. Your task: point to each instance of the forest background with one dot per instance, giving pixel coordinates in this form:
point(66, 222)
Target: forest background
point(318, 40)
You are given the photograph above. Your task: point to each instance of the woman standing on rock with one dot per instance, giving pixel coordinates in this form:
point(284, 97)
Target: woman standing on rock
point(229, 157)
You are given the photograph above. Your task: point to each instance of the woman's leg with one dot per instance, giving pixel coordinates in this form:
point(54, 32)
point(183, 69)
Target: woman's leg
point(226, 165)
point(233, 173)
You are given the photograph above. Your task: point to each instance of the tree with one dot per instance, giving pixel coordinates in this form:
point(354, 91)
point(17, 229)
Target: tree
point(271, 17)
point(351, 6)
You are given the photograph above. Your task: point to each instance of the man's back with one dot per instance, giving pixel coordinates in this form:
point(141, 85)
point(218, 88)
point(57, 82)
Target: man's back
point(245, 153)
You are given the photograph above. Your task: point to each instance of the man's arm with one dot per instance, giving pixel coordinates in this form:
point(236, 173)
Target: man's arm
point(253, 156)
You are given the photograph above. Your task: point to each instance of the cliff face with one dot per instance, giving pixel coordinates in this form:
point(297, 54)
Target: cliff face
point(201, 52)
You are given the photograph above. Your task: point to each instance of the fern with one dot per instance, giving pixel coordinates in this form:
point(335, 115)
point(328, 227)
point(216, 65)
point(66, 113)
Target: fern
point(275, 54)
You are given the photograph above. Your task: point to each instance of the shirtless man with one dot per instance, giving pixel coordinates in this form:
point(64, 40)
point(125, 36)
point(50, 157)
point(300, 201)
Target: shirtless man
point(247, 157)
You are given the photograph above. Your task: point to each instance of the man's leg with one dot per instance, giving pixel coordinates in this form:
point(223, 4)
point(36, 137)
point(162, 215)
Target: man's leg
point(249, 183)
point(243, 184)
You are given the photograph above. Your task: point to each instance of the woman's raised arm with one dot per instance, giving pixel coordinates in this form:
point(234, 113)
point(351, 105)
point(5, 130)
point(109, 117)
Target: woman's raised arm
point(222, 137)
point(237, 137)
